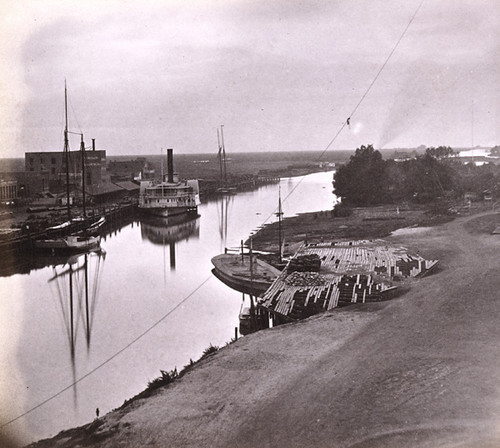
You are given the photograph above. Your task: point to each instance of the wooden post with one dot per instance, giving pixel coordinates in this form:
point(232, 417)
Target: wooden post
point(251, 261)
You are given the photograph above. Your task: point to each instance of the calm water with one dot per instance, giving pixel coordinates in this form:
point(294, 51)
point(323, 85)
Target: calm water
point(148, 272)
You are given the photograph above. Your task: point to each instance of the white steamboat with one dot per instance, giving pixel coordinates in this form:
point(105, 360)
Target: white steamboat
point(169, 196)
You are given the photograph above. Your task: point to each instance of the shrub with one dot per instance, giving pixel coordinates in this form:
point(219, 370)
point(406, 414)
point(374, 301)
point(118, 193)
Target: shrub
point(164, 379)
point(209, 350)
point(341, 211)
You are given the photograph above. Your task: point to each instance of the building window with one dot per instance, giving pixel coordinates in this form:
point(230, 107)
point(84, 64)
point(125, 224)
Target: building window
point(53, 160)
point(53, 170)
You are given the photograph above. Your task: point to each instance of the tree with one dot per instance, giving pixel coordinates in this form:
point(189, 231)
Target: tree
point(441, 152)
point(361, 180)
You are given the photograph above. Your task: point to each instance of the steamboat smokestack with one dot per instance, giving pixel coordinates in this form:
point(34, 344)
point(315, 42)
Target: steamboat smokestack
point(170, 164)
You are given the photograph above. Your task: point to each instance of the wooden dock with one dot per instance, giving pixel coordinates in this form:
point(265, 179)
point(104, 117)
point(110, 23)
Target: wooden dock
point(350, 272)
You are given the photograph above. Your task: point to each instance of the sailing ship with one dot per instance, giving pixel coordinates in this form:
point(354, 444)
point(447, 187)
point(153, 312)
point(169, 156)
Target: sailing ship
point(170, 196)
point(224, 188)
point(61, 238)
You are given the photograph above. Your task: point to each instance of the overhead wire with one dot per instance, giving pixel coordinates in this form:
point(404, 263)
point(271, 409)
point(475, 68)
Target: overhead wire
point(356, 107)
point(108, 360)
point(155, 324)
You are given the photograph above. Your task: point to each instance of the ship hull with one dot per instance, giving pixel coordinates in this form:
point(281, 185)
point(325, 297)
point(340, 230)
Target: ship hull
point(70, 244)
point(236, 274)
point(165, 212)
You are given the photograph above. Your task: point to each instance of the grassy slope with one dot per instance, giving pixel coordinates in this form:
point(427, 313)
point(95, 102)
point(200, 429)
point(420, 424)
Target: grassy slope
point(419, 371)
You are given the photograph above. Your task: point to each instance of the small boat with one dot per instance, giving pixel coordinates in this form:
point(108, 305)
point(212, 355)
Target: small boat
point(239, 273)
point(245, 319)
point(171, 196)
point(94, 227)
point(70, 243)
point(252, 318)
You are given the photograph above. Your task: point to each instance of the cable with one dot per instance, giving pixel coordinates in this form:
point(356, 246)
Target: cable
point(208, 278)
point(345, 123)
point(374, 79)
point(110, 358)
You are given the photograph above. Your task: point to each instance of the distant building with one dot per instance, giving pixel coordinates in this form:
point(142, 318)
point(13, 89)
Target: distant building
point(124, 170)
point(44, 178)
point(471, 196)
point(16, 185)
point(52, 166)
point(8, 191)
point(327, 165)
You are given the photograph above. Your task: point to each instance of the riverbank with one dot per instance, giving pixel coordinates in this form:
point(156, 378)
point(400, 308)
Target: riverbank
point(419, 371)
point(361, 223)
point(16, 219)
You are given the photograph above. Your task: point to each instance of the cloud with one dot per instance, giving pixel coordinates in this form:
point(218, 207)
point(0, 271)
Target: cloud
point(282, 73)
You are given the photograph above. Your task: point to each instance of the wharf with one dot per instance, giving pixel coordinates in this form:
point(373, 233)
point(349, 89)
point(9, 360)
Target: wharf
point(234, 271)
point(17, 240)
point(348, 272)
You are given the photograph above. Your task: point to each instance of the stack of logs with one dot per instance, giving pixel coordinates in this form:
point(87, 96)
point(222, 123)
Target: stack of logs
point(305, 263)
point(305, 279)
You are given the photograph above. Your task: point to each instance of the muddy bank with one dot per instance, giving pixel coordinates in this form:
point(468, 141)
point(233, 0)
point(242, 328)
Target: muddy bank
point(418, 371)
point(362, 223)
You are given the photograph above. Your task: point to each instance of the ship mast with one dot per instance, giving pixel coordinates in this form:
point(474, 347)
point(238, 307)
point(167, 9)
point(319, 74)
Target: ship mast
point(223, 155)
point(66, 149)
point(82, 147)
point(280, 217)
point(220, 158)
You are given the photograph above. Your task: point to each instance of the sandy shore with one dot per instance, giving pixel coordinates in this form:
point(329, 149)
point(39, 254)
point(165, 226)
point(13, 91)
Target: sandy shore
point(422, 370)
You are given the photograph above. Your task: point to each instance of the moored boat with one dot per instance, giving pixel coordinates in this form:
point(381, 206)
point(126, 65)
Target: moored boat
point(171, 196)
point(70, 243)
point(237, 272)
point(76, 234)
point(224, 188)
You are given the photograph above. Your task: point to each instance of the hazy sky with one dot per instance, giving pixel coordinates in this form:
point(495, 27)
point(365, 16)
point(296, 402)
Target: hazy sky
point(280, 75)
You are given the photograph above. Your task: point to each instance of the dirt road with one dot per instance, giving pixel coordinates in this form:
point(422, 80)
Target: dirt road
point(422, 370)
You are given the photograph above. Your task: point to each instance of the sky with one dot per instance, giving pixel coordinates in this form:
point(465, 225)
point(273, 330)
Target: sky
point(281, 75)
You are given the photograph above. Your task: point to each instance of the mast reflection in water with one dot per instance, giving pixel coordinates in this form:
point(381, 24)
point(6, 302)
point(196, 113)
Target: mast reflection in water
point(41, 349)
point(223, 205)
point(75, 284)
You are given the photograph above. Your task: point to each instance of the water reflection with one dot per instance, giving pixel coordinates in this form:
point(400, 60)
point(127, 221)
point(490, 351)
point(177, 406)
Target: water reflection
point(37, 346)
point(170, 230)
point(224, 203)
point(75, 285)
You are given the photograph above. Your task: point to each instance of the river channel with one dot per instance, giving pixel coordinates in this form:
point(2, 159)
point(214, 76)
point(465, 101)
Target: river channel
point(152, 304)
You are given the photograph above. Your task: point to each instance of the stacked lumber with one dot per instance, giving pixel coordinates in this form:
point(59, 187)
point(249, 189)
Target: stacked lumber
point(304, 279)
point(347, 276)
point(303, 263)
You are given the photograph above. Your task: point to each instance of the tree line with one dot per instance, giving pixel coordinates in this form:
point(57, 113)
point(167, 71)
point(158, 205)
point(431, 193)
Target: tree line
point(368, 179)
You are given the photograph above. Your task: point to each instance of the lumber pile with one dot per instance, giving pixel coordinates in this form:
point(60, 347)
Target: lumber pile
point(305, 279)
point(305, 263)
point(326, 275)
